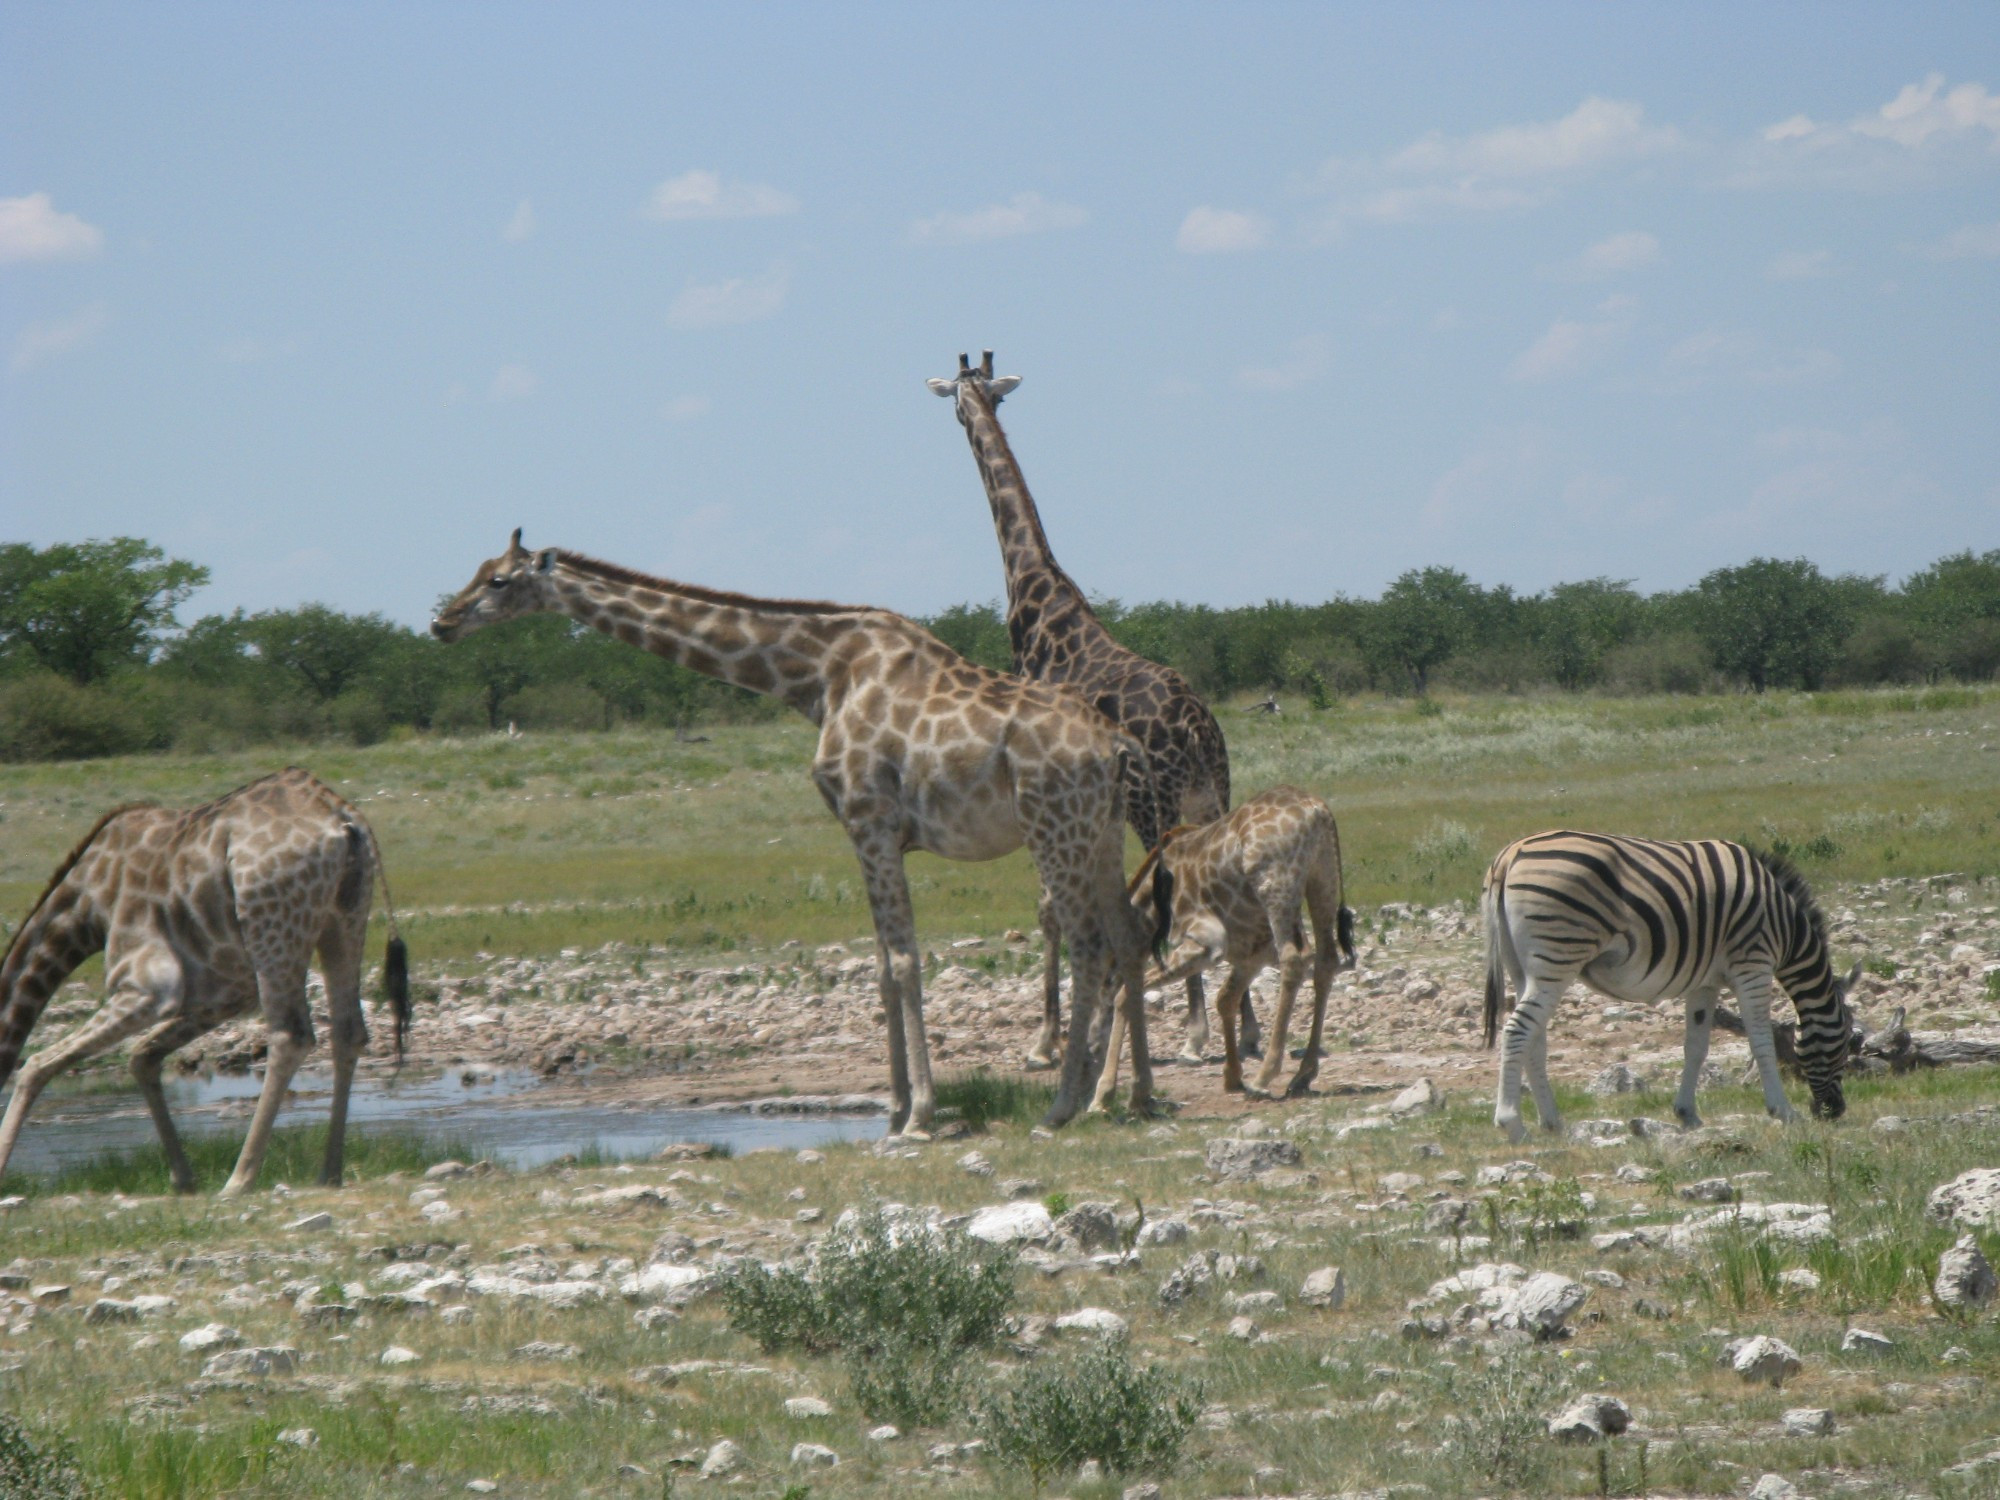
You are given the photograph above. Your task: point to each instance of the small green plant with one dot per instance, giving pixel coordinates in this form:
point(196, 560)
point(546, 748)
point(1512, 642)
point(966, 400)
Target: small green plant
point(981, 1098)
point(1427, 708)
point(1886, 968)
point(1993, 985)
point(1057, 1204)
point(1499, 1417)
point(33, 1468)
point(899, 1300)
point(1099, 1405)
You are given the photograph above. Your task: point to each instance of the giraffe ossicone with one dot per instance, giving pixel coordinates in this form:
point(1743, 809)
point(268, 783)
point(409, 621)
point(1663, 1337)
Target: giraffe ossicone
point(202, 915)
point(918, 749)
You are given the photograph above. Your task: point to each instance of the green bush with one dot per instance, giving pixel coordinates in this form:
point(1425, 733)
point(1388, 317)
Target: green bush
point(899, 1301)
point(1660, 664)
point(37, 1470)
point(1099, 1405)
point(1499, 1422)
point(46, 717)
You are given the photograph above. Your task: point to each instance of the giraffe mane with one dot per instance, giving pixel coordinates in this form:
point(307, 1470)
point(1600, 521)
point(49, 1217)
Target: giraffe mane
point(68, 864)
point(597, 567)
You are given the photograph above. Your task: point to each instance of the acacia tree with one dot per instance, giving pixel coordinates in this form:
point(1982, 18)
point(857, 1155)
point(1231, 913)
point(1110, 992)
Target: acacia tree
point(1773, 623)
point(1575, 624)
point(1424, 619)
point(88, 609)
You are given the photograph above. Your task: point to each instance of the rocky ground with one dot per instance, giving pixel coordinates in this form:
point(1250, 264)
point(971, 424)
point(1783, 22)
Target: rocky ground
point(809, 1023)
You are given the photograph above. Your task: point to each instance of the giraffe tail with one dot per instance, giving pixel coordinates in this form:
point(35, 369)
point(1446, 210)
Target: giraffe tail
point(396, 956)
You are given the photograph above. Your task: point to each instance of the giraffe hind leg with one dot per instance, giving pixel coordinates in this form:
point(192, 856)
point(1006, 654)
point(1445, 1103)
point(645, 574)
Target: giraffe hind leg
point(147, 1061)
point(1043, 1053)
point(340, 956)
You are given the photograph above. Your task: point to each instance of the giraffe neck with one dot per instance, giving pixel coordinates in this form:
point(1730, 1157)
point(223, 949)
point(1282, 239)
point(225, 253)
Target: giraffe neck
point(781, 648)
point(1042, 600)
point(64, 929)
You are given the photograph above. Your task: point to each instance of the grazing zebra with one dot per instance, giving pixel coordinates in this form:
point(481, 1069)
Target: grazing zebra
point(1642, 919)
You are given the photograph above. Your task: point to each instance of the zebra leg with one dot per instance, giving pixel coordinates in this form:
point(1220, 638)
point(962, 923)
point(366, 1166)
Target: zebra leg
point(1538, 1081)
point(1530, 1019)
point(1755, 993)
point(1700, 1022)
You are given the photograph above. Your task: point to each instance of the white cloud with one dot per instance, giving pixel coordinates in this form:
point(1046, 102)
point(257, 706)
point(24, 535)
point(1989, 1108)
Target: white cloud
point(33, 228)
point(515, 382)
point(1572, 345)
point(1024, 213)
point(1974, 242)
point(1218, 231)
point(1632, 250)
point(1304, 361)
point(1910, 140)
point(41, 342)
point(704, 195)
point(521, 225)
point(741, 299)
point(686, 408)
point(1732, 355)
point(1594, 134)
point(1800, 265)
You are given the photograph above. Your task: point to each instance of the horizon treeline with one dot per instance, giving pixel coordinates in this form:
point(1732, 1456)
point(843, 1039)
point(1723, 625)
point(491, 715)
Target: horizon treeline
point(94, 661)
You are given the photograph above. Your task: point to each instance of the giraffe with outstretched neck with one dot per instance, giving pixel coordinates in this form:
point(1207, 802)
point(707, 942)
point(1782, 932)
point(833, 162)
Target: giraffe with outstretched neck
point(1057, 637)
point(918, 749)
point(203, 915)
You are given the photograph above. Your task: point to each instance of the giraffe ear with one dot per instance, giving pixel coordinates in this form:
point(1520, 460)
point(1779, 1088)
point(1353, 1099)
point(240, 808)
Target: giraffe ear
point(1003, 385)
point(545, 560)
point(942, 387)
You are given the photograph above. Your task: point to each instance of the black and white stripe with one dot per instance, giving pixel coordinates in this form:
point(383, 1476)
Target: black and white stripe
point(1643, 919)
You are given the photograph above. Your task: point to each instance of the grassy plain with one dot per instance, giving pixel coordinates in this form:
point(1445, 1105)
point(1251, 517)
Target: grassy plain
point(547, 842)
point(1326, 1402)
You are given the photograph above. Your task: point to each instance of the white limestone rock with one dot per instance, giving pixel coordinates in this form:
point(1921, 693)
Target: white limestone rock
point(273, 1359)
point(724, 1458)
point(1808, 1421)
point(1100, 1321)
point(1236, 1157)
point(210, 1336)
point(1964, 1276)
point(1766, 1361)
point(1326, 1287)
point(1971, 1198)
point(807, 1408)
point(1011, 1224)
point(1590, 1419)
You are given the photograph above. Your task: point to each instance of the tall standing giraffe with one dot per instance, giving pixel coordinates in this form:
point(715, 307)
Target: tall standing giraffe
point(918, 749)
point(1057, 637)
point(202, 914)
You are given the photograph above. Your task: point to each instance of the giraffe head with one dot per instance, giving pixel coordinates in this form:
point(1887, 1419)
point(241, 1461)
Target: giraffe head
point(514, 583)
point(969, 380)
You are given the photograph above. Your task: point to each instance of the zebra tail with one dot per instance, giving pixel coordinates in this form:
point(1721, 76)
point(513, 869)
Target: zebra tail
point(1496, 978)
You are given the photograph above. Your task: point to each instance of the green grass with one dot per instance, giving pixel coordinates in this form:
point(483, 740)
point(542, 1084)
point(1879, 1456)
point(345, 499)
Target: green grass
point(572, 840)
point(982, 1099)
point(294, 1157)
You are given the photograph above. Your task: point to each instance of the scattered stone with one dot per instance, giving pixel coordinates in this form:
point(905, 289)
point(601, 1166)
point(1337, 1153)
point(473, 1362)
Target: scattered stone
point(311, 1223)
point(724, 1458)
point(1616, 1079)
point(1234, 1157)
point(1402, 1184)
point(543, 1350)
point(445, 1170)
point(1011, 1224)
point(1147, 1491)
point(456, 1314)
point(1420, 1098)
point(1543, 1305)
point(664, 1281)
point(54, 1295)
point(1022, 1187)
point(1971, 1198)
point(1709, 1190)
point(1162, 1231)
point(210, 1336)
point(1243, 1328)
point(1611, 1281)
point(809, 1456)
point(481, 1486)
point(1765, 1360)
point(1800, 1279)
point(1258, 1302)
point(1956, 1355)
point(1197, 1271)
point(1964, 1276)
point(396, 1354)
point(806, 1408)
point(1808, 1421)
point(1590, 1419)
point(298, 1437)
point(1098, 1320)
point(976, 1163)
point(1861, 1341)
point(274, 1359)
point(1632, 1172)
point(1326, 1287)
point(1774, 1487)
point(1091, 1225)
point(111, 1310)
point(884, 1434)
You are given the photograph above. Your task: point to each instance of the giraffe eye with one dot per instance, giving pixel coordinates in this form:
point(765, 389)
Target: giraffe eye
point(498, 581)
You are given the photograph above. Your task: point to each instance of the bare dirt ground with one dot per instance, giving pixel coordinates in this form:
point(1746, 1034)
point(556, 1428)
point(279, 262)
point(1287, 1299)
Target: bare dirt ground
point(628, 1026)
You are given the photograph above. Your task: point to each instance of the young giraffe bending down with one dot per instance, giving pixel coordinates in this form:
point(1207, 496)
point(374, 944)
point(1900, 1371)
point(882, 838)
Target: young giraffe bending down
point(918, 749)
point(1231, 891)
point(201, 915)
point(1057, 637)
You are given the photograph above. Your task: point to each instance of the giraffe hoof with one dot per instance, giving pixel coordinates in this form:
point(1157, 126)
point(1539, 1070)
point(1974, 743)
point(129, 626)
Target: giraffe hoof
point(914, 1136)
point(1189, 1055)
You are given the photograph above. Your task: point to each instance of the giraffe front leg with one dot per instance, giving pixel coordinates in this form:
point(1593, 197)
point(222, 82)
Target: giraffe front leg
point(1291, 974)
point(1043, 1053)
point(147, 1063)
point(288, 1022)
point(1195, 1047)
point(1107, 1073)
point(1226, 1011)
point(913, 1100)
point(127, 1010)
point(1700, 1008)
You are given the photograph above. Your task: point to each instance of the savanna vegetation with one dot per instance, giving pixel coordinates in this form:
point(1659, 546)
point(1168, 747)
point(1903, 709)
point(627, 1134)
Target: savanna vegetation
point(95, 661)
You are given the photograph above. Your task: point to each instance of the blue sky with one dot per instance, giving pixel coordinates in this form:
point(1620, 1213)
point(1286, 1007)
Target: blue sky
point(329, 298)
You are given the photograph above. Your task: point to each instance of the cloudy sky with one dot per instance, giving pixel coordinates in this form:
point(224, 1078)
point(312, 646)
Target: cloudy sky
point(330, 298)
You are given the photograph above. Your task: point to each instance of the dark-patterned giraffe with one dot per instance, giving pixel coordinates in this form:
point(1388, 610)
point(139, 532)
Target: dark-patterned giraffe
point(1057, 637)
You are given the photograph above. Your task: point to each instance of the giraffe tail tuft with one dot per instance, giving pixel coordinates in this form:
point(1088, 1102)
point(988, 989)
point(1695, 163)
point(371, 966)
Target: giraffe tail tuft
point(1345, 933)
point(1163, 909)
point(396, 986)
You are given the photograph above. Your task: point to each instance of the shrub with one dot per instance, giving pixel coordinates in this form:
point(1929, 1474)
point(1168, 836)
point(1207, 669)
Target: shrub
point(37, 1470)
point(900, 1301)
point(1098, 1405)
point(1499, 1421)
point(1660, 664)
point(46, 717)
point(979, 1098)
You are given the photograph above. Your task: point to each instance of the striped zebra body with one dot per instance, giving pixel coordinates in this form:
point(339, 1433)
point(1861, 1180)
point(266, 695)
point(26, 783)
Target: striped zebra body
point(1644, 919)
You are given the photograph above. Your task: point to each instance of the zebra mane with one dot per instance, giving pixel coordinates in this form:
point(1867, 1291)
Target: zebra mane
point(1793, 884)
